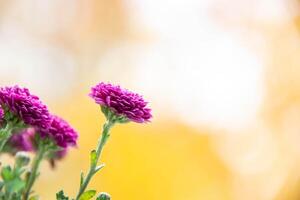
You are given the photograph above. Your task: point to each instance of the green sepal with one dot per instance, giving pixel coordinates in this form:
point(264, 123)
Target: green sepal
point(105, 110)
point(8, 116)
point(122, 119)
point(88, 195)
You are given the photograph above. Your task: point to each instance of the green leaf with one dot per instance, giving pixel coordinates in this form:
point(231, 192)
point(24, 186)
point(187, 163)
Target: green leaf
point(2, 195)
point(34, 198)
point(2, 133)
point(16, 196)
point(93, 158)
point(81, 178)
point(15, 185)
point(61, 196)
point(7, 174)
point(88, 195)
point(99, 167)
point(1, 184)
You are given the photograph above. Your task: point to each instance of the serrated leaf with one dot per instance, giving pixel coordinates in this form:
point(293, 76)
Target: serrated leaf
point(88, 195)
point(15, 185)
point(7, 173)
point(61, 196)
point(93, 158)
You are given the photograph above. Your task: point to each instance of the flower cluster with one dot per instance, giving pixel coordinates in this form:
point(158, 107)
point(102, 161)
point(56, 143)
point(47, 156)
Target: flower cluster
point(26, 125)
point(122, 102)
point(28, 109)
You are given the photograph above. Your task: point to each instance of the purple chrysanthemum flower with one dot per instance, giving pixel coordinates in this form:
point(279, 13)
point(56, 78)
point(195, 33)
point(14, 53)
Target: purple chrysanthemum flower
point(22, 141)
point(61, 132)
point(121, 102)
point(24, 105)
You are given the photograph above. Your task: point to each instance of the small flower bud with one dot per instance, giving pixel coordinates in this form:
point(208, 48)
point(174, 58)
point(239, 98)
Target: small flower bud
point(22, 159)
point(104, 196)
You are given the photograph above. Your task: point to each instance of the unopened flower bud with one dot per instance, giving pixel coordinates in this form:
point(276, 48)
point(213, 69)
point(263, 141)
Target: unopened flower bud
point(103, 196)
point(22, 159)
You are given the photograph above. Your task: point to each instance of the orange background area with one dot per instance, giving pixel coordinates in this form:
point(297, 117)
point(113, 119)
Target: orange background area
point(159, 160)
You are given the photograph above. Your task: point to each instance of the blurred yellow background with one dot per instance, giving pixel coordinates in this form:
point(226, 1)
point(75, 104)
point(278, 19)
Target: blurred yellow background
point(222, 77)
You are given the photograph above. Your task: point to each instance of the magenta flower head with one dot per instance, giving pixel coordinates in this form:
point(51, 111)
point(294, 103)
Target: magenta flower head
point(121, 102)
point(22, 141)
point(61, 132)
point(27, 107)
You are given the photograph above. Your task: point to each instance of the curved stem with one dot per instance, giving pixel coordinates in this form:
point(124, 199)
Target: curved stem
point(102, 141)
point(34, 171)
point(5, 135)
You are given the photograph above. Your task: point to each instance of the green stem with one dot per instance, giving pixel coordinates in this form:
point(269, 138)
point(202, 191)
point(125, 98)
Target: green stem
point(102, 141)
point(34, 171)
point(5, 135)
